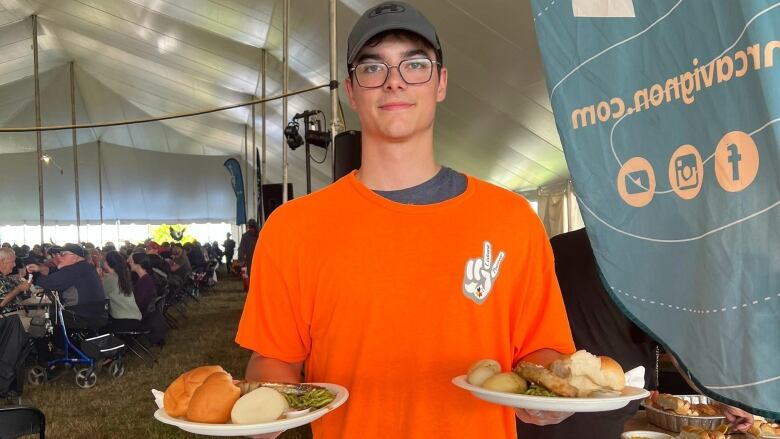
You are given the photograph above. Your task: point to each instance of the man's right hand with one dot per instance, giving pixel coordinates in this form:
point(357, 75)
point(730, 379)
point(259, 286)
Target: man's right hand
point(23, 286)
point(32, 268)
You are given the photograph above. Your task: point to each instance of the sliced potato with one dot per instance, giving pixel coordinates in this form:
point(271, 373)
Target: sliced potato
point(260, 405)
point(509, 382)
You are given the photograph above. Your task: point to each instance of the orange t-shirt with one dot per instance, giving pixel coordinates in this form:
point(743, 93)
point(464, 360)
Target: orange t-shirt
point(374, 296)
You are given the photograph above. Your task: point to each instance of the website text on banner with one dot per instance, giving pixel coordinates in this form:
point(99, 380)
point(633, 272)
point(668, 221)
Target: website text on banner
point(669, 114)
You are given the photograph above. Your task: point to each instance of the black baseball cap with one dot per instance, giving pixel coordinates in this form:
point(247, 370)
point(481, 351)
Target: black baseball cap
point(75, 249)
point(392, 15)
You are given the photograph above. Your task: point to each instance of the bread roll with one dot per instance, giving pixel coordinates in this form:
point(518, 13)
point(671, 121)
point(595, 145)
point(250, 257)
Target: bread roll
point(705, 410)
point(589, 373)
point(690, 432)
point(584, 385)
point(671, 402)
point(178, 394)
point(612, 374)
point(213, 400)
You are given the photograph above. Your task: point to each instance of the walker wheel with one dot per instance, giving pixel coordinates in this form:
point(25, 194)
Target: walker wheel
point(117, 368)
point(86, 377)
point(36, 375)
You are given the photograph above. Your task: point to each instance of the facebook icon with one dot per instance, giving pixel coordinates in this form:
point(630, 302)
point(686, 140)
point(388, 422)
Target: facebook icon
point(734, 158)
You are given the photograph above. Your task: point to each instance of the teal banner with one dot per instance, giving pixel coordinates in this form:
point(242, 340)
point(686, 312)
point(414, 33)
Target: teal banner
point(237, 182)
point(669, 113)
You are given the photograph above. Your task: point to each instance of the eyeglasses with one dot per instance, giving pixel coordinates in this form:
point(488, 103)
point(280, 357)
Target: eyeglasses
point(413, 71)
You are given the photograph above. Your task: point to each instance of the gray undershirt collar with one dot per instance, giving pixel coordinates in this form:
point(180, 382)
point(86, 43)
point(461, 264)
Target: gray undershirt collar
point(445, 185)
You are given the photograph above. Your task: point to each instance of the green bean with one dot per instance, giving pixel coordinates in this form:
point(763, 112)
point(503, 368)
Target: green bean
point(535, 390)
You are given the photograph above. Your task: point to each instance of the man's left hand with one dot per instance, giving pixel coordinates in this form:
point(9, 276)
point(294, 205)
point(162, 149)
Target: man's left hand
point(541, 417)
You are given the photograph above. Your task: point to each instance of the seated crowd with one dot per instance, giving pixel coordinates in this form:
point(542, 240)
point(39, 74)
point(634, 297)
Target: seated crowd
point(106, 290)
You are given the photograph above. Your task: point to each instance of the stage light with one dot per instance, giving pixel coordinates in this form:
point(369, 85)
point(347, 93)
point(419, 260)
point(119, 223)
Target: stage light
point(294, 139)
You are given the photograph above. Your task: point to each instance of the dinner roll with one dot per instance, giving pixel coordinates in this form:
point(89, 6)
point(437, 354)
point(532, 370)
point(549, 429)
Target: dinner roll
point(213, 400)
point(178, 394)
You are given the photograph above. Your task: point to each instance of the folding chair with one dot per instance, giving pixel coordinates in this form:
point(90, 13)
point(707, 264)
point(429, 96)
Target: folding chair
point(18, 421)
point(134, 344)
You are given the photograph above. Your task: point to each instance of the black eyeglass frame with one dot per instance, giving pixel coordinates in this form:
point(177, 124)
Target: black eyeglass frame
point(387, 75)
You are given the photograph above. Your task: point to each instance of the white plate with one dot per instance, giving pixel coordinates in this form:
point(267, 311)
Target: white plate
point(558, 404)
point(645, 434)
point(252, 429)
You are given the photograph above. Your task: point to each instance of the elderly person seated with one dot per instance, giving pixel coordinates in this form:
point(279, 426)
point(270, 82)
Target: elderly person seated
point(80, 288)
point(11, 286)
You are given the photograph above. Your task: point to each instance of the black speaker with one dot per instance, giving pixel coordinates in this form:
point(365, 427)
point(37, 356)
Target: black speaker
point(346, 154)
point(272, 197)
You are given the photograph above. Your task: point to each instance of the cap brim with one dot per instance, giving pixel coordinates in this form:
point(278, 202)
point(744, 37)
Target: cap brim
point(389, 26)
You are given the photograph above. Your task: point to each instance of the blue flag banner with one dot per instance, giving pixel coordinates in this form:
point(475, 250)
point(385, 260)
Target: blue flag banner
point(237, 182)
point(669, 114)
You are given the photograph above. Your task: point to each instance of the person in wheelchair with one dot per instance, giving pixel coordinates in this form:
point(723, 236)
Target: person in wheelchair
point(80, 288)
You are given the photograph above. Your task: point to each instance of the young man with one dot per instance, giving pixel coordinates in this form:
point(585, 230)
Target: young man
point(399, 276)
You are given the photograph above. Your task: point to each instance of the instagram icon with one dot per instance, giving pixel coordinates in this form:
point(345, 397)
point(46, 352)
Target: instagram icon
point(685, 172)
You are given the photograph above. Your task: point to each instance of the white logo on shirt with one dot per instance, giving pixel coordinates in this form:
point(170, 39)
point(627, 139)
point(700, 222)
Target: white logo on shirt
point(481, 274)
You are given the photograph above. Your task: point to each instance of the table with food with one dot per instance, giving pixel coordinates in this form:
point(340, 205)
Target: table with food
point(690, 417)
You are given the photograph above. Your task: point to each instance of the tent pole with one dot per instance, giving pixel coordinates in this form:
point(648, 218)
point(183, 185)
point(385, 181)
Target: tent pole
point(336, 124)
point(285, 84)
point(263, 64)
point(38, 134)
point(75, 149)
point(246, 168)
point(254, 168)
point(100, 189)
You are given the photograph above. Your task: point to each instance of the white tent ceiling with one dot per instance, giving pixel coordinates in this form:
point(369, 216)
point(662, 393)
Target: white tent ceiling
point(138, 58)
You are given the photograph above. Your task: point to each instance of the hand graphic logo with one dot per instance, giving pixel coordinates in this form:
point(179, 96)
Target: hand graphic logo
point(481, 274)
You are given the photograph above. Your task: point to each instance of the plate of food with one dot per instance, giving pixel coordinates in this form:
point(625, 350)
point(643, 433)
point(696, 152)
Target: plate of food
point(207, 401)
point(580, 382)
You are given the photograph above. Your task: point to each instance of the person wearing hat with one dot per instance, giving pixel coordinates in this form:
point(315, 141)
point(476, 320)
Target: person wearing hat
point(401, 275)
point(81, 291)
point(246, 247)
